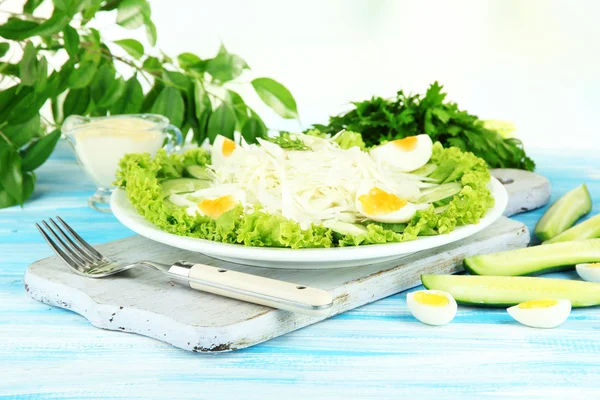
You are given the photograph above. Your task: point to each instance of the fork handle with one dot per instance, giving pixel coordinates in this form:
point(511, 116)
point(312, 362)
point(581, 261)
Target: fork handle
point(253, 289)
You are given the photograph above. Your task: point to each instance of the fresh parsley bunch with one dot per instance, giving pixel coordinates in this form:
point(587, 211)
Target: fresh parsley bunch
point(380, 120)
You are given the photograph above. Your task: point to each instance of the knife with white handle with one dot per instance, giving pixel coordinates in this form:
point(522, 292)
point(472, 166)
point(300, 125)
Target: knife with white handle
point(252, 288)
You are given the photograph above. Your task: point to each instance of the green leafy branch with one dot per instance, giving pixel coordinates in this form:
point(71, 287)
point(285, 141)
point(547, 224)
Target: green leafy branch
point(192, 92)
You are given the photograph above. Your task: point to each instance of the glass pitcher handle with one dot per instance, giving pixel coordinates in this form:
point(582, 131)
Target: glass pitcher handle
point(175, 139)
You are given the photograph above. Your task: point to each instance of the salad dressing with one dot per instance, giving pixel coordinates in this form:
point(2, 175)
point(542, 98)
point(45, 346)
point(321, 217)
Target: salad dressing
point(100, 144)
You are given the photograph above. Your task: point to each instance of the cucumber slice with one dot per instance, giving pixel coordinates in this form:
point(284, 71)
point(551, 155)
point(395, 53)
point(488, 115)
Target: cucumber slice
point(535, 260)
point(182, 185)
point(345, 228)
point(425, 170)
point(440, 192)
point(564, 213)
point(198, 172)
point(586, 230)
point(504, 291)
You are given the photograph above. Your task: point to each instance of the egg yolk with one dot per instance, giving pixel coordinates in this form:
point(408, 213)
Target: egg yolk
point(594, 265)
point(214, 208)
point(228, 147)
point(378, 202)
point(543, 303)
point(406, 144)
point(431, 299)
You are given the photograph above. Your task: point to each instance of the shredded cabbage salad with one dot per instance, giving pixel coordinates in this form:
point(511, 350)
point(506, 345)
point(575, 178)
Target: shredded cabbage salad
point(306, 191)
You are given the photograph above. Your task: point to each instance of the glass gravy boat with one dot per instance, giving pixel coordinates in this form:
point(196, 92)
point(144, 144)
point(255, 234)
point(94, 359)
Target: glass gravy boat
point(99, 143)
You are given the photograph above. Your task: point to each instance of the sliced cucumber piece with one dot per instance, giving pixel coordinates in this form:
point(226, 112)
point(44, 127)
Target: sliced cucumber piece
point(182, 185)
point(198, 172)
point(564, 213)
point(425, 170)
point(503, 291)
point(345, 228)
point(440, 192)
point(587, 229)
point(535, 260)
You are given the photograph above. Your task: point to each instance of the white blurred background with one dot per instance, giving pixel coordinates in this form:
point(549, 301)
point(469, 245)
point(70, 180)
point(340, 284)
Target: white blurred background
point(534, 62)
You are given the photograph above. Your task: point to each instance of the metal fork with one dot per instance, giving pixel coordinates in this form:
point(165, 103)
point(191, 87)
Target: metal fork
point(87, 261)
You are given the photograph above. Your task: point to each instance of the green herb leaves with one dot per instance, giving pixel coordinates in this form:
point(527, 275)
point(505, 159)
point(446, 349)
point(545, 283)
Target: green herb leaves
point(380, 119)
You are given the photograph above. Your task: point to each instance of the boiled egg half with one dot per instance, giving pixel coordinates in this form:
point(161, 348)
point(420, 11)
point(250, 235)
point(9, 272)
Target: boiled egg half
point(589, 272)
point(432, 307)
point(222, 149)
point(406, 154)
point(543, 313)
point(211, 202)
point(379, 204)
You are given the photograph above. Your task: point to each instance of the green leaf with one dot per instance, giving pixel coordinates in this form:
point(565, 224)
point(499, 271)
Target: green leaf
point(150, 31)
point(200, 131)
point(133, 13)
point(221, 122)
point(4, 47)
point(153, 65)
point(83, 75)
point(57, 22)
point(20, 134)
point(18, 29)
point(201, 100)
point(28, 183)
point(188, 61)
point(69, 7)
point(28, 102)
point(239, 107)
point(28, 65)
point(9, 69)
point(11, 177)
point(56, 111)
point(253, 129)
point(151, 96)
point(42, 75)
point(8, 98)
point(71, 38)
point(31, 6)
point(77, 102)
point(170, 104)
point(131, 99)
point(179, 80)
point(90, 8)
point(131, 46)
point(276, 96)
point(225, 66)
point(38, 152)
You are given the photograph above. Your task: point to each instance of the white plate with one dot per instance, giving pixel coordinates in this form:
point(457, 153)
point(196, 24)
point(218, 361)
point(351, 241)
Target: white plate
point(303, 258)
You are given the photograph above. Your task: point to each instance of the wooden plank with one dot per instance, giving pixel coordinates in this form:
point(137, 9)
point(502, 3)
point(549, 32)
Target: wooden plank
point(144, 302)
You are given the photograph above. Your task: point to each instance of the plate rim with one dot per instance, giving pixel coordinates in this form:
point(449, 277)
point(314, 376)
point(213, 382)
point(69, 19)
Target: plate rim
point(126, 214)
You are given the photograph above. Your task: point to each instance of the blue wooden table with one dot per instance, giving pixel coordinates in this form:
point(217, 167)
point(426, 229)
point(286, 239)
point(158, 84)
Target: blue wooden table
point(376, 351)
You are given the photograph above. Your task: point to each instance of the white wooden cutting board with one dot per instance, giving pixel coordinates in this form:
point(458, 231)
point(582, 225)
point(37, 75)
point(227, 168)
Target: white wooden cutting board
point(144, 302)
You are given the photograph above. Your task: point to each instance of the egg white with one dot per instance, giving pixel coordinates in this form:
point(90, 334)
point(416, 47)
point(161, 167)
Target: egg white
point(402, 159)
point(589, 272)
point(542, 317)
point(217, 154)
point(432, 314)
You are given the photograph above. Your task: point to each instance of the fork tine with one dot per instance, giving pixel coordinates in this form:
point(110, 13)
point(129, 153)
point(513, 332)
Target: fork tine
point(82, 242)
point(57, 249)
point(74, 256)
point(78, 250)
